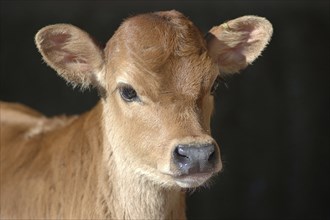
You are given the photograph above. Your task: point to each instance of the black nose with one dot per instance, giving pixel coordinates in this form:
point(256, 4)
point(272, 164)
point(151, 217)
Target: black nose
point(195, 158)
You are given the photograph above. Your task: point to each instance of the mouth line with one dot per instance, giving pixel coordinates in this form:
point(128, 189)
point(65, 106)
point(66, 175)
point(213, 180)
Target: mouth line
point(193, 175)
point(192, 180)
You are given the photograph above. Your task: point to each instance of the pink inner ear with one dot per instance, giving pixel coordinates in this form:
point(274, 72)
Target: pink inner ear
point(59, 38)
point(232, 55)
point(71, 58)
point(57, 43)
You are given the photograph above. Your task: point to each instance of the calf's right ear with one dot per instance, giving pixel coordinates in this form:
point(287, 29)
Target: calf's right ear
point(72, 53)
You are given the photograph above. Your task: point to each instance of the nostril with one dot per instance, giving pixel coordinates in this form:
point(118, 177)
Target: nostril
point(181, 158)
point(212, 156)
point(179, 151)
point(210, 150)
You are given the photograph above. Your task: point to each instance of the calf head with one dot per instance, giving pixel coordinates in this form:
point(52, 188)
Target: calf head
point(157, 76)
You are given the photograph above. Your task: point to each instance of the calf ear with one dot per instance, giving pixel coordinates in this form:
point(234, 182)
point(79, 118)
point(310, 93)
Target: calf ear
point(71, 52)
point(238, 42)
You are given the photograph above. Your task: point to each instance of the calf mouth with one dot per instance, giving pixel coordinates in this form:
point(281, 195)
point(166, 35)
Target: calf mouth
point(192, 180)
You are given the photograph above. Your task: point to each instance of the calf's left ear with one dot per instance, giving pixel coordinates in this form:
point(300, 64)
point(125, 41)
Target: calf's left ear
point(237, 43)
point(72, 53)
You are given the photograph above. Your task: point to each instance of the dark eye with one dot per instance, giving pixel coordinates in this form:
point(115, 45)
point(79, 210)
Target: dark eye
point(128, 94)
point(215, 85)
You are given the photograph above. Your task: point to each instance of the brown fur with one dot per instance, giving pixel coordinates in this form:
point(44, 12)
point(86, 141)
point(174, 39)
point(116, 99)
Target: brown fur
point(115, 161)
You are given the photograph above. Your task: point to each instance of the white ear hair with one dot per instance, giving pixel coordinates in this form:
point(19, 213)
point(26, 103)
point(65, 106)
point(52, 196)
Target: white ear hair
point(71, 52)
point(238, 42)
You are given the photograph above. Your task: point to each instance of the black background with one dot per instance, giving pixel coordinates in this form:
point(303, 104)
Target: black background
point(272, 122)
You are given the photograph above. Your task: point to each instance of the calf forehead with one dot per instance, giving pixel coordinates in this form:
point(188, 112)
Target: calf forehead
point(164, 48)
point(190, 75)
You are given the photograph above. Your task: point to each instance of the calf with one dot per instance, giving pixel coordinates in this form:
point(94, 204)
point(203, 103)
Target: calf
point(147, 138)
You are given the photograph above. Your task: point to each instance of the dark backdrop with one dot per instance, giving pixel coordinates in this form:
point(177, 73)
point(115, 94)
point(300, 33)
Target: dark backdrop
point(272, 122)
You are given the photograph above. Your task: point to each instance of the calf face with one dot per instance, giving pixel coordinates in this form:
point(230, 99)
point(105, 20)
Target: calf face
point(157, 76)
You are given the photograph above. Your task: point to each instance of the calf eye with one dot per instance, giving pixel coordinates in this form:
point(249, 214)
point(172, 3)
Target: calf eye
point(128, 94)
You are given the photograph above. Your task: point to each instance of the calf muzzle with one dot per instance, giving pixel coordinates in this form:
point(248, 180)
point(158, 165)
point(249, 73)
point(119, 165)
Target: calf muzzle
point(195, 158)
